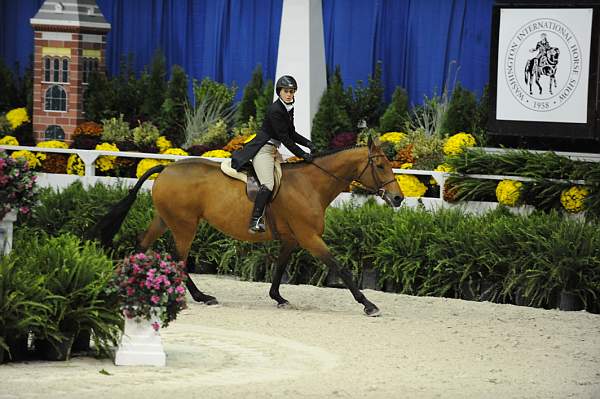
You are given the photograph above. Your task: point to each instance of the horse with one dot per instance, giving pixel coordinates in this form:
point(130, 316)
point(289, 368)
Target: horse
point(189, 190)
point(544, 65)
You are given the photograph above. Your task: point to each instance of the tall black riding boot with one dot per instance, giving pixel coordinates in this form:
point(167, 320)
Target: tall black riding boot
point(257, 222)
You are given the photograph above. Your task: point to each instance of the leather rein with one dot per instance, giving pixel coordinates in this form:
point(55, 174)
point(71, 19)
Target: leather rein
point(380, 190)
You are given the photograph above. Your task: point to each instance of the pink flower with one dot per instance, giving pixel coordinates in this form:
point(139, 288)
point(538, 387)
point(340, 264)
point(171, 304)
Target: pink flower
point(180, 289)
point(155, 299)
point(24, 210)
point(170, 290)
point(130, 291)
point(155, 326)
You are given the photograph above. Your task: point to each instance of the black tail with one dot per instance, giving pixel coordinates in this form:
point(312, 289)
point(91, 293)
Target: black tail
point(108, 226)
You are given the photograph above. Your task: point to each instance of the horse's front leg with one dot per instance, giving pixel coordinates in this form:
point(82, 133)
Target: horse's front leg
point(319, 249)
point(287, 247)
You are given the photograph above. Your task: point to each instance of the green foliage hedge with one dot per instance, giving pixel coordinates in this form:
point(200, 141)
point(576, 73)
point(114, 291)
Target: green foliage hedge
point(497, 256)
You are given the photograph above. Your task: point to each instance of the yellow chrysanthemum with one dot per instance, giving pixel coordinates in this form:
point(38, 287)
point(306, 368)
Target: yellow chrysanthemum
point(163, 144)
point(175, 151)
point(457, 143)
point(573, 198)
point(407, 165)
point(29, 156)
point(411, 186)
point(106, 162)
point(16, 117)
point(9, 140)
point(444, 167)
point(146, 164)
point(75, 165)
point(217, 154)
point(249, 138)
point(392, 137)
point(52, 144)
point(508, 192)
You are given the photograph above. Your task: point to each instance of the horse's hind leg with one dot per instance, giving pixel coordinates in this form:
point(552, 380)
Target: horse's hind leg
point(184, 233)
point(157, 228)
point(287, 247)
point(319, 249)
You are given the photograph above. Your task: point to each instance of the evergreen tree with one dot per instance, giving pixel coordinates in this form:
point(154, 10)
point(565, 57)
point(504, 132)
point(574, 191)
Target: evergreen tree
point(263, 101)
point(461, 112)
point(366, 103)
point(172, 121)
point(252, 92)
point(396, 114)
point(332, 116)
point(155, 86)
point(8, 88)
point(127, 96)
point(98, 98)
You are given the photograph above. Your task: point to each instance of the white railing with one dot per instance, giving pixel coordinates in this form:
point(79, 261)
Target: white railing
point(89, 178)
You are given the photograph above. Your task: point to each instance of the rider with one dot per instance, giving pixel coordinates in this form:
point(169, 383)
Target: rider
point(541, 47)
point(278, 128)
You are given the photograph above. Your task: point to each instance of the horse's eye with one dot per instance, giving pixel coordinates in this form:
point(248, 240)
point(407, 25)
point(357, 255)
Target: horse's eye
point(380, 167)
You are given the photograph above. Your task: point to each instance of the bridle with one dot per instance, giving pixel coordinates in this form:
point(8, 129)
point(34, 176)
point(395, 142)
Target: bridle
point(380, 190)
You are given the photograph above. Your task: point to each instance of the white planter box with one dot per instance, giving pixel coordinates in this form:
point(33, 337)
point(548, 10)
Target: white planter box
point(140, 345)
point(6, 232)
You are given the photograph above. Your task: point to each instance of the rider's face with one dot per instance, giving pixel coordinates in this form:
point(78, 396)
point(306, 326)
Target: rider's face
point(287, 95)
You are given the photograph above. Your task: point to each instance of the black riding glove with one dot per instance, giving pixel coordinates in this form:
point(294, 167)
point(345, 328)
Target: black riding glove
point(307, 157)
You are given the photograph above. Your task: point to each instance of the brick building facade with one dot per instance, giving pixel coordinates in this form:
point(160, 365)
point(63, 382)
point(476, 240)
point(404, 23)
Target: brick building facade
point(69, 43)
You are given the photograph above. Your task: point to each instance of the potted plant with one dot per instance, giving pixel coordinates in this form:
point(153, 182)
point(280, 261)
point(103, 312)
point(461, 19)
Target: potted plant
point(151, 291)
point(17, 185)
point(75, 274)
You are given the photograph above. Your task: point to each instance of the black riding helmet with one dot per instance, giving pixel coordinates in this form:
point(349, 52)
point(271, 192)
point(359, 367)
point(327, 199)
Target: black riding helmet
point(286, 82)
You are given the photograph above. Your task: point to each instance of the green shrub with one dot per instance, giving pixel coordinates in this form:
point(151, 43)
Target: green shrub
point(332, 116)
point(76, 274)
point(396, 114)
point(145, 135)
point(263, 101)
point(252, 91)
point(154, 86)
point(98, 98)
point(116, 130)
point(24, 303)
point(460, 116)
point(173, 108)
point(366, 103)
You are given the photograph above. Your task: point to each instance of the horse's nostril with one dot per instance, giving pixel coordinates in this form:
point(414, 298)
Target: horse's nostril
point(398, 200)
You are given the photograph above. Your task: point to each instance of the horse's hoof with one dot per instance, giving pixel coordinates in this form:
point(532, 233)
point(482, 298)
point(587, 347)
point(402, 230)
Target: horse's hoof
point(212, 301)
point(284, 305)
point(372, 311)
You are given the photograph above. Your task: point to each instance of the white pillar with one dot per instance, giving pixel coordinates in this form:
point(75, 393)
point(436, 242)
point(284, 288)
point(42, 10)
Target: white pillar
point(302, 55)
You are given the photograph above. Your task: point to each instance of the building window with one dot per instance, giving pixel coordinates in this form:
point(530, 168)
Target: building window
point(54, 132)
point(47, 69)
point(55, 99)
point(56, 69)
point(89, 65)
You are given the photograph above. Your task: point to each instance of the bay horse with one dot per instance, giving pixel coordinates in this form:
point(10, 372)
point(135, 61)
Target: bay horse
point(189, 190)
point(545, 65)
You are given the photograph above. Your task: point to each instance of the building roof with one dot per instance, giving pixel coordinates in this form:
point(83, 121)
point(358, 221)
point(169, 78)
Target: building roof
point(71, 14)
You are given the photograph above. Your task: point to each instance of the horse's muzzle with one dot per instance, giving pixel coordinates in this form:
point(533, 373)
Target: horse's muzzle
point(393, 200)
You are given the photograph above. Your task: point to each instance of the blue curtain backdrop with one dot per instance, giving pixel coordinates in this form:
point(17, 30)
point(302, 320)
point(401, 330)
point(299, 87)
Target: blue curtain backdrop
point(422, 44)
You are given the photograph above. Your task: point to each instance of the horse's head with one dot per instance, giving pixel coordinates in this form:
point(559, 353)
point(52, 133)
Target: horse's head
point(378, 176)
point(552, 55)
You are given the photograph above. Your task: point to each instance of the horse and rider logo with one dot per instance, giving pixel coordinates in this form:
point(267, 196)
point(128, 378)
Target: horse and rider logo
point(547, 80)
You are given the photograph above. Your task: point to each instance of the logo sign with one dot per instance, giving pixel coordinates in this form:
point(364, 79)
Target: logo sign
point(543, 64)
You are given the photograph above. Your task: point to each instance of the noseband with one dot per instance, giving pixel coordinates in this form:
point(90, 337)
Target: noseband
point(380, 190)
